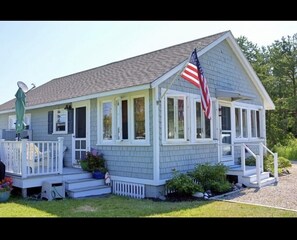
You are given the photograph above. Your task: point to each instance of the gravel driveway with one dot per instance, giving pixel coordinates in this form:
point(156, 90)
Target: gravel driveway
point(282, 195)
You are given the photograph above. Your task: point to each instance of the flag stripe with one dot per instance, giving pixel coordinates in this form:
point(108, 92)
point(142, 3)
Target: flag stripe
point(193, 73)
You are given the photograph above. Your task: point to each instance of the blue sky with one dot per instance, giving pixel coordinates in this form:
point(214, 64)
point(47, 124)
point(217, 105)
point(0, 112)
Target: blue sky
point(37, 52)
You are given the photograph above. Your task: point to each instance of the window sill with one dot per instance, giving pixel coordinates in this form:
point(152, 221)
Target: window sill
point(201, 142)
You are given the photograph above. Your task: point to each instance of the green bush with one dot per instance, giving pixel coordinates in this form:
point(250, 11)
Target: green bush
point(183, 184)
point(282, 164)
point(289, 151)
point(269, 163)
point(212, 177)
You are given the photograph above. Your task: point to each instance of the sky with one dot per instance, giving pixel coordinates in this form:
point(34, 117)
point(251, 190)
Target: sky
point(36, 52)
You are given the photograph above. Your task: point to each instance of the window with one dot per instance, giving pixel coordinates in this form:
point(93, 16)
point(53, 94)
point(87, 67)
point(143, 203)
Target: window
point(107, 120)
point(255, 123)
point(139, 118)
point(203, 124)
point(123, 120)
point(241, 123)
point(60, 121)
point(12, 121)
point(175, 117)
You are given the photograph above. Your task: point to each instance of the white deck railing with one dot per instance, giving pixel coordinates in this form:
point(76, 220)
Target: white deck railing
point(32, 158)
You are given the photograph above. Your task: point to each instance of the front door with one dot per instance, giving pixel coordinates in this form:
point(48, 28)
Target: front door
point(80, 140)
point(226, 138)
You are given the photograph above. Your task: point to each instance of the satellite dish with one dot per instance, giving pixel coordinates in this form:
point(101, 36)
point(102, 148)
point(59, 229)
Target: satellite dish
point(23, 86)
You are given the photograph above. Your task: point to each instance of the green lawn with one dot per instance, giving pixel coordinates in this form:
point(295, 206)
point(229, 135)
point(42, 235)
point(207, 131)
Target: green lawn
point(115, 206)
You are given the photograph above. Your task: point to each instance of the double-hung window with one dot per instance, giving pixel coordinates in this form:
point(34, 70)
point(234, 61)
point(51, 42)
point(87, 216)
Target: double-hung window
point(202, 124)
point(241, 125)
point(176, 117)
point(255, 124)
point(60, 121)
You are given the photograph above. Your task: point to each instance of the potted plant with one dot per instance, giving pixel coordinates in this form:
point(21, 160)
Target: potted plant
point(95, 163)
point(5, 188)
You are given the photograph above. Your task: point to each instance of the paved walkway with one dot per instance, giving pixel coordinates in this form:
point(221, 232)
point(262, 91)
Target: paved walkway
point(283, 194)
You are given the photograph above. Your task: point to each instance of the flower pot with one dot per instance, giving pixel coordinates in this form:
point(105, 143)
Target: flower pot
point(98, 175)
point(4, 196)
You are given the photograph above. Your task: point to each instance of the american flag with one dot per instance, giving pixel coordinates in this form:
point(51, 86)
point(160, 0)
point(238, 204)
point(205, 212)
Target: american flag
point(194, 74)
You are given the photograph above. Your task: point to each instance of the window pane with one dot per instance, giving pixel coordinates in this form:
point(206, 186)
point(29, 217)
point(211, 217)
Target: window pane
point(253, 123)
point(125, 119)
point(170, 118)
point(198, 120)
point(207, 127)
point(258, 123)
point(107, 121)
point(61, 116)
point(238, 122)
point(139, 118)
point(244, 123)
point(226, 118)
point(181, 124)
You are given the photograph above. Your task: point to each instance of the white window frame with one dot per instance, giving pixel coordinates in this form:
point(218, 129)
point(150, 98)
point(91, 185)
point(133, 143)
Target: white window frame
point(256, 124)
point(202, 123)
point(241, 123)
point(112, 123)
point(117, 119)
point(249, 108)
point(146, 114)
point(12, 121)
point(175, 97)
point(55, 119)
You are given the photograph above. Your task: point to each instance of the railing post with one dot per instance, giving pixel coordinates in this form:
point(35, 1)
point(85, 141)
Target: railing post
point(275, 158)
point(261, 157)
point(1, 149)
point(60, 162)
point(243, 158)
point(24, 158)
point(258, 170)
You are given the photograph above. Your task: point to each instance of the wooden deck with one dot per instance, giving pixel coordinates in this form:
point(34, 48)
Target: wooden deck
point(36, 181)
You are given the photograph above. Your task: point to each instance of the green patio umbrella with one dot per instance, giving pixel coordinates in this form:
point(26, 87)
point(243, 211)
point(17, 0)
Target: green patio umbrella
point(20, 111)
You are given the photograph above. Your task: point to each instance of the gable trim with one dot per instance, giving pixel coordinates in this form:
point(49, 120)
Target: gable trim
point(268, 103)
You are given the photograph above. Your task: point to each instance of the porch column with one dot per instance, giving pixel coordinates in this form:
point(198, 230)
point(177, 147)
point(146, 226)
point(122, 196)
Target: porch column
point(60, 156)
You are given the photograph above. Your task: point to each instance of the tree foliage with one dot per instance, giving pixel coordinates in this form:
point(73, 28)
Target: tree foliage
point(276, 67)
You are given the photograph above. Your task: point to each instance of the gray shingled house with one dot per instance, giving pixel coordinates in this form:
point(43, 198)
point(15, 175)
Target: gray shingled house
point(117, 108)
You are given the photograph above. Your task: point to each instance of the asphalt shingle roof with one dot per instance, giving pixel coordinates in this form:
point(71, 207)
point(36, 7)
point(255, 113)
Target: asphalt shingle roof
point(139, 70)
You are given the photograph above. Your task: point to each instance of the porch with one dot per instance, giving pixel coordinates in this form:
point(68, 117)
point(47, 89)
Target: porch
point(31, 163)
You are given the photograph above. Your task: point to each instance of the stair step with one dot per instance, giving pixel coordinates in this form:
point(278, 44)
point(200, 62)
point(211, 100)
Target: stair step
point(76, 176)
point(81, 183)
point(89, 191)
point(264, 182)
point(253, 177)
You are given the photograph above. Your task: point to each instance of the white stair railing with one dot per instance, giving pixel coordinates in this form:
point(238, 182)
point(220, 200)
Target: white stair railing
point(258, 162)
point(275, 161)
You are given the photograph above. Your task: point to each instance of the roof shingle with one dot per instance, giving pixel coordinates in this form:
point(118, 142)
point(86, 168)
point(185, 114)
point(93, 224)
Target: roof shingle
point(139, 70)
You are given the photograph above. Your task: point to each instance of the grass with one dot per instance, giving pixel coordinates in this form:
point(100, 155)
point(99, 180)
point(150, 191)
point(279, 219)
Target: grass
point(116, 206)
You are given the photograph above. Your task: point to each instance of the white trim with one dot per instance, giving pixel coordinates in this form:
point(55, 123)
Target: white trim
point(86, 97)
point(137, 180)
point(268, 103)
point(167, 75)
point(156, 136)
point(173, 71)
point(55, 121)
point(75, 105)
point(117, 120)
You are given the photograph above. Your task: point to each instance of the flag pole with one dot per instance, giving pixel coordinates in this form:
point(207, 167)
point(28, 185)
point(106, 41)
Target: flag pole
point(173, 80)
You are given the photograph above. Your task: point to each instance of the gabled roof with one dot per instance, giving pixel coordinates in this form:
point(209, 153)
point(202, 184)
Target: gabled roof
point(139, 70)
point(132, 72)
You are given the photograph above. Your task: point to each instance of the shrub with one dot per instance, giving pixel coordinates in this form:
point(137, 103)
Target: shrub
point(212, 177)
point(269, 163)
point(94, 161)
point(282, 164)
point(289, 151)
point(182, 184)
